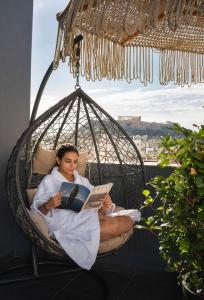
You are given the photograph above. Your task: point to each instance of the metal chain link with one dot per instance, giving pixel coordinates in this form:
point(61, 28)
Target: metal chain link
point(77, 41)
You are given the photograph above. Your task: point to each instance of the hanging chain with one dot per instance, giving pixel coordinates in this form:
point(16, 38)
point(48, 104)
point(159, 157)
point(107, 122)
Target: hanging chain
point(77, 66)
point(77, 41)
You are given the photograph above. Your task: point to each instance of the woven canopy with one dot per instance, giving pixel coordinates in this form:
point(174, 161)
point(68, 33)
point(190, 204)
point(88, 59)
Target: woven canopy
point(119, 37)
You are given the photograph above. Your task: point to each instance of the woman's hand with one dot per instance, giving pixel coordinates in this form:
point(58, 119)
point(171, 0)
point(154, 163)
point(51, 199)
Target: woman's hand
point(54, 201)
point(107, 204)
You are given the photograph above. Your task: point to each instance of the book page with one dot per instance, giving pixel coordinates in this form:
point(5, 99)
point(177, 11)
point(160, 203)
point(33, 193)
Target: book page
point(96, 196)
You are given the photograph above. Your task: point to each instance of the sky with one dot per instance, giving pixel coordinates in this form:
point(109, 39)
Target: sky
point(154, 103)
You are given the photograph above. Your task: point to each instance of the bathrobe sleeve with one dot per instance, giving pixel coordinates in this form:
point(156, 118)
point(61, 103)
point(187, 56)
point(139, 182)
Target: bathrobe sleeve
point(47, 188)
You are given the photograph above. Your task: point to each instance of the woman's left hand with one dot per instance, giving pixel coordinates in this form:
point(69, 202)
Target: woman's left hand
point(107, 202)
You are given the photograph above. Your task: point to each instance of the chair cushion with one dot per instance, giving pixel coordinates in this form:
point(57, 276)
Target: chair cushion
point(39, 222)
point(114, 243)
point(31, 194)
point(44, 160)
point(82, 161)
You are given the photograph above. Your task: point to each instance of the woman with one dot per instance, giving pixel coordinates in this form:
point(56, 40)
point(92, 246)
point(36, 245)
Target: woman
point(78, 233)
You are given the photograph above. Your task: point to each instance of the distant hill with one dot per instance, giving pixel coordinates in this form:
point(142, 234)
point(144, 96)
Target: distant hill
point(152, 129)
point(138, 127)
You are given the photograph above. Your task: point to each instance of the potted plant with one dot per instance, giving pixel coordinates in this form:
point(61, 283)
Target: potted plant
point(179, 207)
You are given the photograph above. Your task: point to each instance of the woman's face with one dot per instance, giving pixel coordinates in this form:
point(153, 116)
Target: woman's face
point(68, 163)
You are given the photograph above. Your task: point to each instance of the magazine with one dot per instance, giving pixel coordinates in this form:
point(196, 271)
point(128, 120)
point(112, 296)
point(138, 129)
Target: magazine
point(76, 196)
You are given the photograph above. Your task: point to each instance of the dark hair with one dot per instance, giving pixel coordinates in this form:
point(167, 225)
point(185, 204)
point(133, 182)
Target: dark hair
point(66, 148)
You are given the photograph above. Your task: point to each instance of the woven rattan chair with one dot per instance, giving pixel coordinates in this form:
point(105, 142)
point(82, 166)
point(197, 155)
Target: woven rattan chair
point(113, 157)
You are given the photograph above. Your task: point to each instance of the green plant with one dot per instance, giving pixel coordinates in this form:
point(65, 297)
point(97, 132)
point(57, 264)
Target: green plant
point(179, 213)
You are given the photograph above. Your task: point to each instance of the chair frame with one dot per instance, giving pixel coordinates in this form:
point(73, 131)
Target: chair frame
point(14, 165)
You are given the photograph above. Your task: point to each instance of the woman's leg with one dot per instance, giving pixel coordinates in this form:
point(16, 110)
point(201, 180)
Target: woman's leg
point(113, 226)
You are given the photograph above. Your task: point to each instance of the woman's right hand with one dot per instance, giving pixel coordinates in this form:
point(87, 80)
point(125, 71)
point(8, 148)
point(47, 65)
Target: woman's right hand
point(54, 201)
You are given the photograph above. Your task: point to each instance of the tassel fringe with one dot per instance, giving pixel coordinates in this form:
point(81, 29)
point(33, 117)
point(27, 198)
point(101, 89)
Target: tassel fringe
point(119, 38)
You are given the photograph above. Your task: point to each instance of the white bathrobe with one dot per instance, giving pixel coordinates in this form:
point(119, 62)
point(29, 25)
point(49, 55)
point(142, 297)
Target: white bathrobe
point(77, 233)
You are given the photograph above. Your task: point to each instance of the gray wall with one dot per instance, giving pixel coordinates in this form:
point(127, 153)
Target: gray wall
point(15, 66)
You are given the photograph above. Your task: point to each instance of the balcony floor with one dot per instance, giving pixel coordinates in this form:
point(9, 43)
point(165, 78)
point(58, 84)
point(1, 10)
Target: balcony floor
point(135, 272)
point(85, 286)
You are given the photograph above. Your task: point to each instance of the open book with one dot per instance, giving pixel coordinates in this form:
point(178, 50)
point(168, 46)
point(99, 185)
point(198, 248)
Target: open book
point(76, 196)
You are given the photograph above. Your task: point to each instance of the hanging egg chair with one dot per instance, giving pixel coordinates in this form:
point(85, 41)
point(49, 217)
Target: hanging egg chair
point(112, 157)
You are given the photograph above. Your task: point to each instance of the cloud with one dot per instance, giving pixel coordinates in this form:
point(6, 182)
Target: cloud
point(103, 90)
point(159, 105)
point(46, 102)
point(183, 105)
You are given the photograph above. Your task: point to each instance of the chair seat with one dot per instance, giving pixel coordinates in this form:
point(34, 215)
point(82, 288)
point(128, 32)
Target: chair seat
point(114, 243)
point(104, 247)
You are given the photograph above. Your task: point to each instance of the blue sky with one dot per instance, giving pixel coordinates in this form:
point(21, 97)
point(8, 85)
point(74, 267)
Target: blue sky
point(153, 103)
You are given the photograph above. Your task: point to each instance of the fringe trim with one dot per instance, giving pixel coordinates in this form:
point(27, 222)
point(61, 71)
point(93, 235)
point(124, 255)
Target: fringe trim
point(101, 58)
point(183, 68)
point(103, 52)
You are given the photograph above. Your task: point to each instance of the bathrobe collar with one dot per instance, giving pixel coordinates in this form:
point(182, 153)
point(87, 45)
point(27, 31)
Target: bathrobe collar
point(61, 178)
